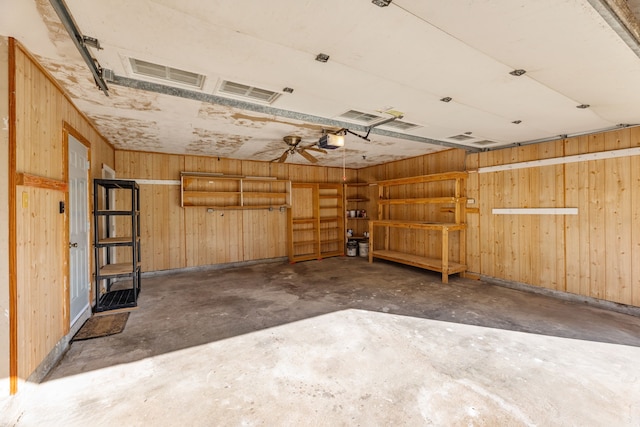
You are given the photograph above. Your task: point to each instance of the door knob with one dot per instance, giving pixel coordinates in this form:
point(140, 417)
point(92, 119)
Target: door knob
point(73, 245)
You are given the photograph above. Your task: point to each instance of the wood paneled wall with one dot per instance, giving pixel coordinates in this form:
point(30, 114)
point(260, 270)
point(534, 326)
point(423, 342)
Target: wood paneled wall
point(594, 253)
point(42, 111)
point(175, 237)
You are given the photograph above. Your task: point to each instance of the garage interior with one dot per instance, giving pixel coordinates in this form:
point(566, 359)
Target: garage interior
point(373, 213)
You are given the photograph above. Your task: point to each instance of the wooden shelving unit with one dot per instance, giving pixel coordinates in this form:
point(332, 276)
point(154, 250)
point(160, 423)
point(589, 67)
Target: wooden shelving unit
point(357, 198)
point(112, 294)
point(381, 246)
point(219, 191)
point(316, 221)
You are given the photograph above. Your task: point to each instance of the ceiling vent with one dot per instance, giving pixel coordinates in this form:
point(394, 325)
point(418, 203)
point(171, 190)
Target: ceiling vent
point(483, 143)
point(250, 93)
point(360, 117)
point(400, 125)
point(462, 137)
point(162, 72)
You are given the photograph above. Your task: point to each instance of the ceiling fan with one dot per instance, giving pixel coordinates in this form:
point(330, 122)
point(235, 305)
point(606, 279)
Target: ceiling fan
point(294, 147)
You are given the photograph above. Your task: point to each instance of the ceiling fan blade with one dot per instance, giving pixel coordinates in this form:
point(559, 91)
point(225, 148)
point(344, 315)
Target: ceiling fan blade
point(320, 150)
point(283, 157)
point(307, 156)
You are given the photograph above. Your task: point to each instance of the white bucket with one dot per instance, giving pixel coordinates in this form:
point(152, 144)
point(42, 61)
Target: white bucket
point(364, 249)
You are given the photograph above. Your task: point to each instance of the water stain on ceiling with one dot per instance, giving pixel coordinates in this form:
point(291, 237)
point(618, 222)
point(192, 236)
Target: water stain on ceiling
point(214, 143)
point(129, 134)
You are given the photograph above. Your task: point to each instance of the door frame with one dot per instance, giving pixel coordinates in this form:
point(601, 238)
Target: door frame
point(68, 130)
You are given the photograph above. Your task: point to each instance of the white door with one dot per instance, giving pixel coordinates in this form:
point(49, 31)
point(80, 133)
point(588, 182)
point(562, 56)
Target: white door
point(79, 281)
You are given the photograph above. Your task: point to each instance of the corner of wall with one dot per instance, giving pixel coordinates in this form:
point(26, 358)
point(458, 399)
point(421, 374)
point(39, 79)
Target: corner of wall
point(4, 217)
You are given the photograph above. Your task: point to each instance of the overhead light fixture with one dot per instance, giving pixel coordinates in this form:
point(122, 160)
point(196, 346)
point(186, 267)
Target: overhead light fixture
point(322, 57)
point(516, 122)
point(288, 90)
point(446, 99)
point(583, 106)
point(517, 72)
point(331, 141)
point(381, 3)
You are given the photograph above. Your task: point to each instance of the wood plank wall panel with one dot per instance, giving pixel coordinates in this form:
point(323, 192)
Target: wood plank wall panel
point(577, 243)
point(593, 253)
point(41, 304)
point(161, 218)
point(473, 218)
point(597, 224)
point(41, 146)
point(618, 202)
point(302, 173)
point(262, 230)
point(262, 234)
point(42, 108)
point(522, 247)
point(634, 282)
point(609, 200)
point(173, 237)
point(340, 175)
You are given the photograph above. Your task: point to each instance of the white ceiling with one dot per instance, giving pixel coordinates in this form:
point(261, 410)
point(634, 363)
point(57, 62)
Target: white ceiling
point(406, 56)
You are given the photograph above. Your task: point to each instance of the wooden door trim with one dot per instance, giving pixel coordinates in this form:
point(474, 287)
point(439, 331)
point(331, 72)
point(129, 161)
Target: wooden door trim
point(13, 246)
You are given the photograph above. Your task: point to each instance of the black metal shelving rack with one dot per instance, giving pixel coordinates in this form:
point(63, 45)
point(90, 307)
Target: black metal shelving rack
point(110, 293)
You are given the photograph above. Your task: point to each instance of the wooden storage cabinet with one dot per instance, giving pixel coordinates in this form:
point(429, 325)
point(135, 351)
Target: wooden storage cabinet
point(116, 202)
point(316, 221)
point(233, 192)
point(424, 192)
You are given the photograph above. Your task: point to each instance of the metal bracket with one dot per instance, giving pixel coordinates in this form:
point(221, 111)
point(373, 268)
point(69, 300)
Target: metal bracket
point(91, 42)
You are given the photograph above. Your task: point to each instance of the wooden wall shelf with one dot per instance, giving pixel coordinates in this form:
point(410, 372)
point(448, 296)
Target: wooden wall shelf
point(442, 262)
point(233, 192)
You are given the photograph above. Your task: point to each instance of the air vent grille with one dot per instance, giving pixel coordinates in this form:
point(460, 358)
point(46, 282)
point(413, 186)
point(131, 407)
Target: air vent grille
point(462, 137)
point(359, 116)
point(169, 74)
point(400, 125)
point(239, 90)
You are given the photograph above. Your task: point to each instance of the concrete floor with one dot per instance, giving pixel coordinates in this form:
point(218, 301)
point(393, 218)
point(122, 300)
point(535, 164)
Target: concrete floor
point(344, 342)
